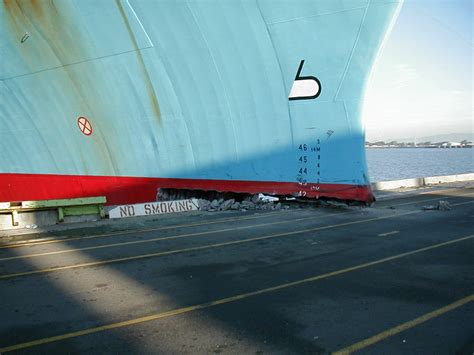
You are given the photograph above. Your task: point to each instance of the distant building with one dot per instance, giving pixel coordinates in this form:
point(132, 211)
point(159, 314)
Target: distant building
point(444, 144)
point(451, 145)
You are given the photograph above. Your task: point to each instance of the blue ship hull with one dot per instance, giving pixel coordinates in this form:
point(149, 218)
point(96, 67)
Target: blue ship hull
point(119, 98)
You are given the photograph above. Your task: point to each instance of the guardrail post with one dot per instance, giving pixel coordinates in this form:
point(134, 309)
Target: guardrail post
point(101, 211)
point(60, 214)
point(15, 218)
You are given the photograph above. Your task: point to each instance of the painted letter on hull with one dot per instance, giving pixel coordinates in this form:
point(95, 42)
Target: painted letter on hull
point(194, 95)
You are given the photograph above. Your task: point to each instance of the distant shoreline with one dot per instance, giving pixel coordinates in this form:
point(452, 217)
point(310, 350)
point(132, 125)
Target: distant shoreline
point(416, 147)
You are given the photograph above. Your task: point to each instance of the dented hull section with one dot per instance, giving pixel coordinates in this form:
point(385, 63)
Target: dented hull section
point(119, 98)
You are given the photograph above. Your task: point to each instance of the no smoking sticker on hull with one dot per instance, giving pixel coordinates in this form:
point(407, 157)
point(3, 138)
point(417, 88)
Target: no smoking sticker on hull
point(85, 126)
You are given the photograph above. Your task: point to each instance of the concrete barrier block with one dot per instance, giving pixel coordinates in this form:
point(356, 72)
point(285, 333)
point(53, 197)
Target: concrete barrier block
point(448, 178)
point(396, 184)
point(420, 182)
point(38, 218)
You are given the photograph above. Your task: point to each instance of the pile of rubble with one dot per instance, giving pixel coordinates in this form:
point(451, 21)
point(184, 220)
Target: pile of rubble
point(255, 202)
point(441, 206)
point(214, 201)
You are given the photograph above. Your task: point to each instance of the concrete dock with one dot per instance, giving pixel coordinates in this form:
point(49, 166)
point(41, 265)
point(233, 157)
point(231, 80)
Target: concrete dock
point(391, 279)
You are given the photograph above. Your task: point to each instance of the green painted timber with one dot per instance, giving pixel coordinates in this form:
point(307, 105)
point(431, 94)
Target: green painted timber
point(64, 202)
point(81, 210)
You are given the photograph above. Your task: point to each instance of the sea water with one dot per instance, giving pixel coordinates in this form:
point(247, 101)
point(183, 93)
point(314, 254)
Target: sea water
point(403, 163)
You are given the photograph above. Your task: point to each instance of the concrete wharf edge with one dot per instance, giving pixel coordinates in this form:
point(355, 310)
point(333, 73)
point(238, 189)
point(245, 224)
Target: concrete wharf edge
point(421, 182)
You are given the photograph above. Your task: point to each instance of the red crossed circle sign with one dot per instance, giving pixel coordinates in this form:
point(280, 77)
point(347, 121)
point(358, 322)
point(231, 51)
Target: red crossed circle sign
point(85, 126)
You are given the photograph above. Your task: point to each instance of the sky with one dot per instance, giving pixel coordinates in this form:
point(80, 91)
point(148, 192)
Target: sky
point(422, 82)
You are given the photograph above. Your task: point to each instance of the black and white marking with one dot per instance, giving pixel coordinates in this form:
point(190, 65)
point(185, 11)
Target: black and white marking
point(304, 87)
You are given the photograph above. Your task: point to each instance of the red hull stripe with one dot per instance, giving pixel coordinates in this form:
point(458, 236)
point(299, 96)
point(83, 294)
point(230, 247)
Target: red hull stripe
point(125, 190)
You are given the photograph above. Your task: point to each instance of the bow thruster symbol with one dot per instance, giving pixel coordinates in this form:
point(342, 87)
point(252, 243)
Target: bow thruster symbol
point(304, 87)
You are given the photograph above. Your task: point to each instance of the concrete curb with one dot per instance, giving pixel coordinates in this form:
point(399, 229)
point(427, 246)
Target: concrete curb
point(421, 182)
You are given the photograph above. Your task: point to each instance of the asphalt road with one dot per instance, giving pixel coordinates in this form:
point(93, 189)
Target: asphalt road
point(392, 279)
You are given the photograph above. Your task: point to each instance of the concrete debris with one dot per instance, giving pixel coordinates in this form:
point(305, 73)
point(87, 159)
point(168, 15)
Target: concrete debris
point(247, 204)
point(334, 203)
point(255, 198)
point(215, 204)
point(225, 205)
point(444, 206)
point(229, 202)
point(162, 195)
point(266, 198)
point(204, 205)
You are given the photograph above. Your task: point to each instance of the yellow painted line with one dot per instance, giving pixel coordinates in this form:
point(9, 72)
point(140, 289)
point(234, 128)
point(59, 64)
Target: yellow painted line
point(124, 232)
point(405, 326)
point(221, 301)
point(430, 192)
point(383, 234)
point(208, 246)
point(433, 192)
point(444, 190)
point(427, 200)
point(191, 249)
point(195, 234)
point(459, 204)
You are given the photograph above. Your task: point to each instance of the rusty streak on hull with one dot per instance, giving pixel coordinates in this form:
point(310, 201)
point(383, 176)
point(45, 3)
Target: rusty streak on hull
point(146, 76)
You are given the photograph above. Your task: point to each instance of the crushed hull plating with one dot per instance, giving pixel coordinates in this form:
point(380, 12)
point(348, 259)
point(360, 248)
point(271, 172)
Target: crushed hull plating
point(120, 98)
